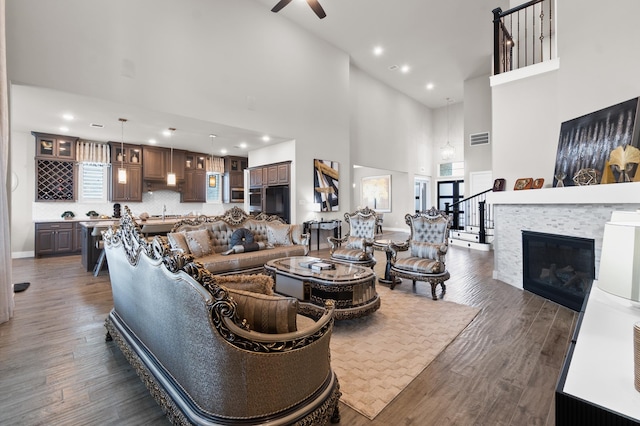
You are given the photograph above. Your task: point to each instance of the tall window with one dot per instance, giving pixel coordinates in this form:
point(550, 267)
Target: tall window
point(93, 178)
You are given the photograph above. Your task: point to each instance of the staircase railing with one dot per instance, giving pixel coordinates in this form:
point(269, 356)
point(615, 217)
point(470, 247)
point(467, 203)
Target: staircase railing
point(475, 211)
point(522, 35)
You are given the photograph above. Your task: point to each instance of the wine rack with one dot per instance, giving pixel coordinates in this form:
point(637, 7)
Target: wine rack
point(55, 180)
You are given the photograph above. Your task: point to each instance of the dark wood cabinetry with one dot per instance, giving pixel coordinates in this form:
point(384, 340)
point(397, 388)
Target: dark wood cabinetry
point(158, 162)
point(194, 189)
point(55, 171)
point(130, 158)
point(269, 189)
point(233, 189)
point(55, 238)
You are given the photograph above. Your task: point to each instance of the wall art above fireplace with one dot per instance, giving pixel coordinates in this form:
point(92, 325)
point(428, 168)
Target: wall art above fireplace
point(601, 147)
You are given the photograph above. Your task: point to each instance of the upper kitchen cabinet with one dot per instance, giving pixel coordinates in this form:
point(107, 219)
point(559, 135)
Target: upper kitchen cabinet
point(233, 191)
point(55, 146)
point(55, 167)
point(129, 157)
point(158, 162)
point(194, 189)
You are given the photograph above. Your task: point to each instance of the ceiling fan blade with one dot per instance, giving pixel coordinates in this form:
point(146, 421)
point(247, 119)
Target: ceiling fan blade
point(317, 8)
point(280, 5)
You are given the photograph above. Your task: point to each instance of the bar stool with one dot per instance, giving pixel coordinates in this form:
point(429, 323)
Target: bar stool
point(102, 259)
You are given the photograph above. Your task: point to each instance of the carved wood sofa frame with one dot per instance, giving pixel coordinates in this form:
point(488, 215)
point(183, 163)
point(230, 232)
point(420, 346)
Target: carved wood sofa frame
point(179, 330)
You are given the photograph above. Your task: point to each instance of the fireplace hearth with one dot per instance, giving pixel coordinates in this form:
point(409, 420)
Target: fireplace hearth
point(558, 267)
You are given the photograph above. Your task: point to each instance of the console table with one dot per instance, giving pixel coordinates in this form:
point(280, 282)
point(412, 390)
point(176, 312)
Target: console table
point(336, 225)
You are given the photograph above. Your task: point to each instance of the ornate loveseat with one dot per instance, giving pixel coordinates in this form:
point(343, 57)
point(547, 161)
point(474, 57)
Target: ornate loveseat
point(180, 328)
point(210, 239)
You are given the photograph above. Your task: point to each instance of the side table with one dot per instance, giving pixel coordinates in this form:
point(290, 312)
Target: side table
point(383, 245)
point(336, 225)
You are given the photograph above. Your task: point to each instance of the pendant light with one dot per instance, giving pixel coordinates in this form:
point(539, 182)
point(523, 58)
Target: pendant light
point(122, 172)
point(448, 151)
point(213, 180)
point(171, 177)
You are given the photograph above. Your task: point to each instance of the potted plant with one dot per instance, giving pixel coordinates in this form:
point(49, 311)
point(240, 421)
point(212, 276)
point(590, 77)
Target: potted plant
point(68, 215)
point(92, 214)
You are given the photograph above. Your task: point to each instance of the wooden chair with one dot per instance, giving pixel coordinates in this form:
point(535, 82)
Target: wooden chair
point(96, 233)
point(427, 246)
point(357, 245)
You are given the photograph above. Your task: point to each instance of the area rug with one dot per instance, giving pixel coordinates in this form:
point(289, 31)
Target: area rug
point(376, 357)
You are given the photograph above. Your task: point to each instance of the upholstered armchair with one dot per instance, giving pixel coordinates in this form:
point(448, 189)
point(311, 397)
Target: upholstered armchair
point(356, 246)
point(427, 246)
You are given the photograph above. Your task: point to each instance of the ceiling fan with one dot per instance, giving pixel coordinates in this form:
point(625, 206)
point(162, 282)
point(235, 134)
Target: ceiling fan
point(312, 3)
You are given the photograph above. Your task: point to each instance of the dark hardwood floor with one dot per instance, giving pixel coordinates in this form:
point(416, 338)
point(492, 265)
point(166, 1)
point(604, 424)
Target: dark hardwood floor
point(57, 369)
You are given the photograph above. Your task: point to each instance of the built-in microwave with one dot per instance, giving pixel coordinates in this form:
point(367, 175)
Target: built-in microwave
point(237, 195)
point(255, 200)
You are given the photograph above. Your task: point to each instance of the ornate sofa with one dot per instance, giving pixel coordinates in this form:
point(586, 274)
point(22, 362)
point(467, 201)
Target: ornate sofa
point(178, 325)
point(211, 241)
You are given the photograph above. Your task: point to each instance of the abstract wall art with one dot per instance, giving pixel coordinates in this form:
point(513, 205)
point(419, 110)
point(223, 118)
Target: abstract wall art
point(376, 192)
point(601, 147)
point(326, 177)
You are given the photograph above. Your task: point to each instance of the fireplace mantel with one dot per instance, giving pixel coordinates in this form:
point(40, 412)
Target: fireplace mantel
point(579, 211)
point(620, 193)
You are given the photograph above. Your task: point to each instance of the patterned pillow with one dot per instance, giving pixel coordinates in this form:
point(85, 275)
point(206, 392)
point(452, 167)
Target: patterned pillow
point(355, 243)
point(240, 236)
point(178, 241)
point(266, 314)
point(199, 242)
point(279, 235)
point(296, 234)
point(424, 250)
point(255, 283)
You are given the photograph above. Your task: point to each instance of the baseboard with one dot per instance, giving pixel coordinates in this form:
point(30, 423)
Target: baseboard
point(22, 254)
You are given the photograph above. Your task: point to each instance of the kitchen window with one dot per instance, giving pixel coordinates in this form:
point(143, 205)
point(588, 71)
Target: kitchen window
point(93, 178)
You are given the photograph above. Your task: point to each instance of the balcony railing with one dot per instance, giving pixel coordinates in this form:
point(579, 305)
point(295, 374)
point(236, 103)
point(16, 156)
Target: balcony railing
point(523, 35)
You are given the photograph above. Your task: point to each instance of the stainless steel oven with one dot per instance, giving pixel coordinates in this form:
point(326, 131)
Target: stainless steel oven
point(237, 195)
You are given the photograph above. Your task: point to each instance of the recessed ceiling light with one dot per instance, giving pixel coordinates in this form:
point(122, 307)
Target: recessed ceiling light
point(243, 145)
point(64, 129)
point(212, 135)
point(405, 69)
point(429, 86)
point(166, 132)
point(266, 138)
point(152, 141)
point(68, 117)
point(224, 151)
point(378, 50)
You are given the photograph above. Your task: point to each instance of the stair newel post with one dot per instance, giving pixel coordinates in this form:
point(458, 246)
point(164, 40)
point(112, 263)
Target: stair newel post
point(482, 236)
point(496, 40)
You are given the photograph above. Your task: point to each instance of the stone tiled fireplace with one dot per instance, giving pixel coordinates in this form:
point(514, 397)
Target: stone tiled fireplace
point(573, 211)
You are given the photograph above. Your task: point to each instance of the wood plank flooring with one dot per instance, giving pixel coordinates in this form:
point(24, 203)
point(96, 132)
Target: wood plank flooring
point(56, 368)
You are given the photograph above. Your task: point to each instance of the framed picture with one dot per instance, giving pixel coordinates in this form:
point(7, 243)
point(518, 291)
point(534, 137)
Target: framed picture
point(600, 147)
point(376, 192)
point(326, 176)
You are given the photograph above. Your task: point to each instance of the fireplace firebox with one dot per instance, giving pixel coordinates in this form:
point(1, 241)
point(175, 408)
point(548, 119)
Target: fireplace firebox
point(558, 267)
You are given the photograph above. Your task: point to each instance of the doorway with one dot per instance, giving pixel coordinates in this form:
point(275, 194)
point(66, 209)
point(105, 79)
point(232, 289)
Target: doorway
point(450, 192)
point(422, 194)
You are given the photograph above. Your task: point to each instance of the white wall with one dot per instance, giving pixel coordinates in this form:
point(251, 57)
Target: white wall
point(401, 191)
point(477, 119)
point(196, 58)
point(392, 133)
point(596, 70)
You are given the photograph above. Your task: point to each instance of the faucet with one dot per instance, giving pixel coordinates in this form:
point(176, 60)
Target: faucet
point(164, 211)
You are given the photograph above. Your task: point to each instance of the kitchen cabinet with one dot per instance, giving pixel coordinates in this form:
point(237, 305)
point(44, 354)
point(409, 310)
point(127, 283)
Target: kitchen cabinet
point(233, 187)
point(55, 146)
point(54, 238)
point(158, 162)
point(269, 189)
point(194, 189)
point(255, 177)
point(55, 167)
point(130, 158)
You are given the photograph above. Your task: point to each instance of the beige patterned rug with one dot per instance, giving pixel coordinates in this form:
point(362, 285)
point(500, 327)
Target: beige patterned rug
point(376, 357)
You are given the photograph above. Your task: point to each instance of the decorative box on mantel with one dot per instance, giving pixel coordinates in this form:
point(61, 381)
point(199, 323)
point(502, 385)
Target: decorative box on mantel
point(579, 211)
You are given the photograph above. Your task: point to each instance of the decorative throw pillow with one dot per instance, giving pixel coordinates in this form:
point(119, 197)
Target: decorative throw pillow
point(199, 242)
point(266, 314)
point(296, 234)
point(424, 250)
point(245, 247)
point(178, 241)
point(239, 236)
point(355, 243)
point(257, 283)
point(278, 235)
